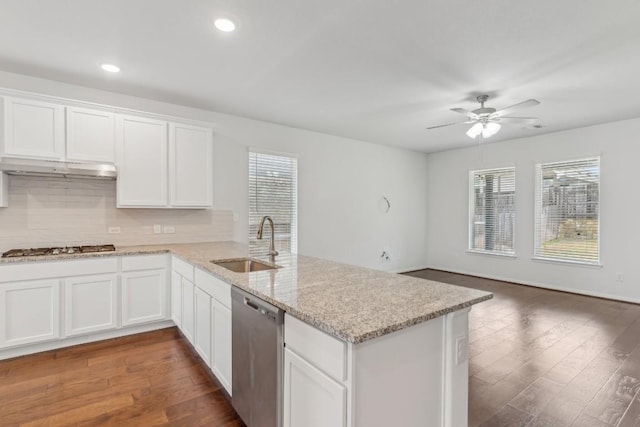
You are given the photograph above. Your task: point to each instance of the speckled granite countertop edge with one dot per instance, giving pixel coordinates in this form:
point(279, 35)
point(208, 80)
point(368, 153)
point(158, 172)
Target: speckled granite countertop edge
point(356, 332)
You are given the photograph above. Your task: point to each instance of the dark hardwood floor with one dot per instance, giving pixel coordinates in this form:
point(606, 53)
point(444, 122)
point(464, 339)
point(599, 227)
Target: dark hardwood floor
point(537, 358)
point(546, 358)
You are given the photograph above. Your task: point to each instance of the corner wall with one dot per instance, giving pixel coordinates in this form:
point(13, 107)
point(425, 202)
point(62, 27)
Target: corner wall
point(617, 143)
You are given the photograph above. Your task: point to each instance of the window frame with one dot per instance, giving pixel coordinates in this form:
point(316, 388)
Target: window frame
point(471, 200)
point(538, 194)
point(294, 226)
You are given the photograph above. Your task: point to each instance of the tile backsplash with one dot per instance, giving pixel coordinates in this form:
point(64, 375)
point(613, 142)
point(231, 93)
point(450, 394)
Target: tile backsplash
point(59, 211)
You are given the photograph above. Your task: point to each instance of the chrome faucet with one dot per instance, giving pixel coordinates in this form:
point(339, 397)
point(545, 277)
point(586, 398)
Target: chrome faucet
point(272, 247)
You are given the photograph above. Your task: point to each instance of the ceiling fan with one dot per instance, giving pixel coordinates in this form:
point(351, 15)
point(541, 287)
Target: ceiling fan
point(487, 120)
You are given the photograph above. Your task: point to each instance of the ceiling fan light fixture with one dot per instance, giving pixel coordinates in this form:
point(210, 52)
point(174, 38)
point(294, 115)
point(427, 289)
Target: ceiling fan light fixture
point(475, 130)
point(485, 119)
point(490, 129)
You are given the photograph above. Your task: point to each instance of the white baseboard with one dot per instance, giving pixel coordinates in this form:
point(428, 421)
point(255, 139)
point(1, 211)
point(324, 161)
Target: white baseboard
point(541, 285)
point(408, 269)
point(68, 342)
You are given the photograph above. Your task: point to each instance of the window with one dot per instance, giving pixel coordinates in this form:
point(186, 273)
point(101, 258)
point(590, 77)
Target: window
point(273, 192)
point(492, 210)
point(567, 211)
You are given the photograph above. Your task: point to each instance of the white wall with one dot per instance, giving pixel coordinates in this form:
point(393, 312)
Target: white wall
point(340, 181)
point(618, 144)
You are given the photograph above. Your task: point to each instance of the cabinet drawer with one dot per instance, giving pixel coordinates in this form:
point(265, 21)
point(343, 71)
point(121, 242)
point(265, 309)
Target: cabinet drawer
point(62, 268)
point(182, 268)
point(144, 262)
point(329, 354)
point(215, 287)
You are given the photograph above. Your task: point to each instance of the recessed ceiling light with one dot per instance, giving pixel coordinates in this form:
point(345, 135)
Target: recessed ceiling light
point(110, 68)
point(224, 24)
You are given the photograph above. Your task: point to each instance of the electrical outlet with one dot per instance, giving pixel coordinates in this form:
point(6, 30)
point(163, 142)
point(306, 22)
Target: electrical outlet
point(462, 352)
point(169, 229)
point(619, 277)
point(236, 217)
point(113, 230)
point(157, 229)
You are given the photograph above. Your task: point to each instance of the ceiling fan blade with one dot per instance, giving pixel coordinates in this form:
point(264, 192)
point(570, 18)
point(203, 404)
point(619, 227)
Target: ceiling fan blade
point(451, 124)
point(512, 108)
point(467, 113)
point(516, 120)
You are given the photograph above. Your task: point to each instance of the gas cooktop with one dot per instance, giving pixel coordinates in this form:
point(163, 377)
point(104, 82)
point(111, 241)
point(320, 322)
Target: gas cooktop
point(13, 253)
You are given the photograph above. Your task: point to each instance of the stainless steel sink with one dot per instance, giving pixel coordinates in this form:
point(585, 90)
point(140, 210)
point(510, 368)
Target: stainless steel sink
point(243, 265)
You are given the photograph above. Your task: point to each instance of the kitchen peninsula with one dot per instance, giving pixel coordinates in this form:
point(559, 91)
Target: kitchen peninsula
point(362, 347)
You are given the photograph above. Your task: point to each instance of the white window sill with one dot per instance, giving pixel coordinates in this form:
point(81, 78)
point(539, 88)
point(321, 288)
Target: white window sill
point(496, 254)
point(568, 262)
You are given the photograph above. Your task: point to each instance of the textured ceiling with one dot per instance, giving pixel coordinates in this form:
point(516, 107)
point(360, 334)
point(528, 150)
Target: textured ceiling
point(374, 70)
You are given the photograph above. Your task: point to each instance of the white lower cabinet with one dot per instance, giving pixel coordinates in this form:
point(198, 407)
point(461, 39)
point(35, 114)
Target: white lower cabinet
point(176, 298)
point(29, 312)
point(188, 312)
point(143, 296)
point(43, 304)
point(213, 324)
point(203, 327)
point(4, 190)
point(91, 303)
point(315, 377)
point(311, 398)
point(221, 364)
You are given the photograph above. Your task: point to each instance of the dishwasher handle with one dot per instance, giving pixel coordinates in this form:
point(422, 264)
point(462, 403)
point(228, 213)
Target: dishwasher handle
point(258, 306)
point(250, 303)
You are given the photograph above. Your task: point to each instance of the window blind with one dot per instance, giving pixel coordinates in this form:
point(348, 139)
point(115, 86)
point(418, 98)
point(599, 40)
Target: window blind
point(567, 210)
point(492, 210)
point(273, 181)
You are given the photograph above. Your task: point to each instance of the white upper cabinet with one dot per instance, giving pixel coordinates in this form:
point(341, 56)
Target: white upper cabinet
point(36, 129)
point(33, 129)
point(90, 135)
point(190, 166)
point(159, 164)
point(156, 172)
point(141, 154)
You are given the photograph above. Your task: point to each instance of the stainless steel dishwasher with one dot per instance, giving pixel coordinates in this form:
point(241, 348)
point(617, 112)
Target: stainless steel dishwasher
point(257, 363)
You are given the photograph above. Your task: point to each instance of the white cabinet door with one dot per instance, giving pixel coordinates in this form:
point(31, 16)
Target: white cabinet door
point(176, 298)
point(90, 135)
point(143, 296)
point(141, 159)
point(188, 312)
point(190, 166)
point(221, 363)
point(33, 129)
point(29, 312)
point(203, 313)
point(311, 398)
point(91, 303)
point(4, 190)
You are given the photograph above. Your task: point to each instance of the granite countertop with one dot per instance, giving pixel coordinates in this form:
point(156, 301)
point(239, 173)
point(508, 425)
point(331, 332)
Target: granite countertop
point(353, 303)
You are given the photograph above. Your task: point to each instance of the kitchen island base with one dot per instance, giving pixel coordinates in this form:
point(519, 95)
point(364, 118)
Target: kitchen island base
point(415, 377)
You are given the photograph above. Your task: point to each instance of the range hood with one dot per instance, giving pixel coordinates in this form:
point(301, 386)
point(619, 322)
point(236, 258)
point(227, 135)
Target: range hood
point(49, 168)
